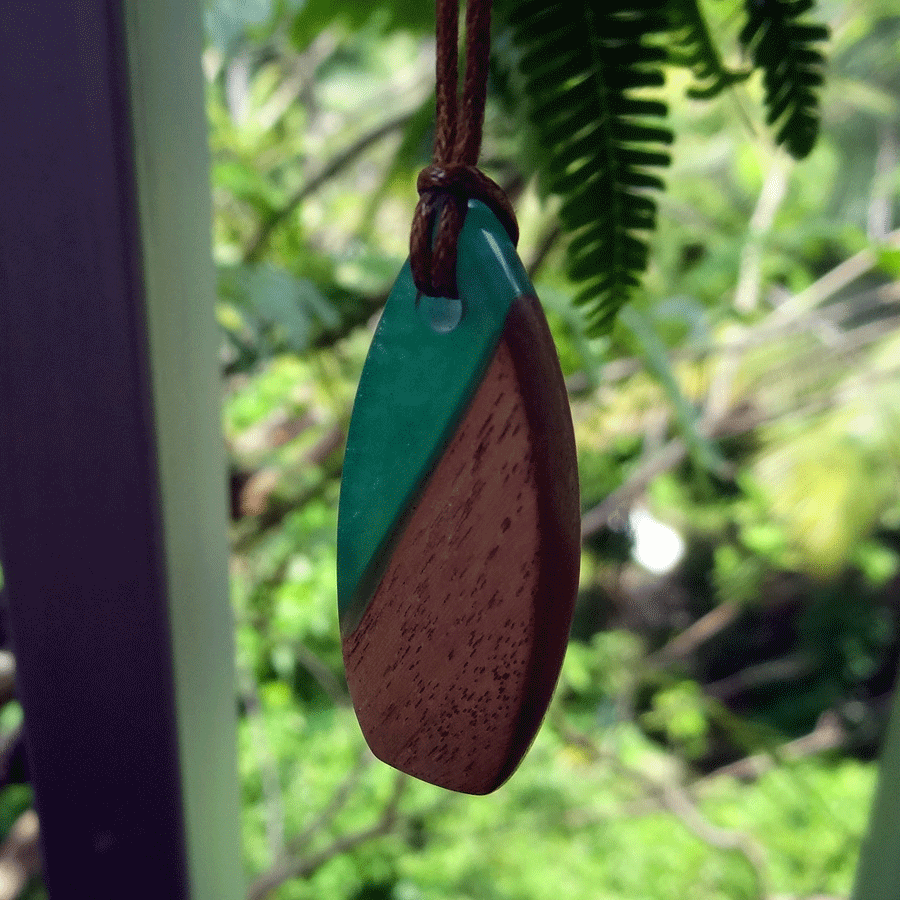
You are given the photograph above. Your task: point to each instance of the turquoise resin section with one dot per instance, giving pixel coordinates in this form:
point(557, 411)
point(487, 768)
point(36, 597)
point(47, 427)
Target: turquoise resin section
point(426, 361)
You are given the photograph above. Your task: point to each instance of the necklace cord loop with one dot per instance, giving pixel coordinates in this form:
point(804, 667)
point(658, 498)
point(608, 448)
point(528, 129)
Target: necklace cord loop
point(453, 178)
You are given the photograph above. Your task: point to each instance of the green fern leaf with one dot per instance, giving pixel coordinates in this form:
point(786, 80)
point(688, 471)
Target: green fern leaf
point(787, 50)
point(585, 67)
point(695, 49)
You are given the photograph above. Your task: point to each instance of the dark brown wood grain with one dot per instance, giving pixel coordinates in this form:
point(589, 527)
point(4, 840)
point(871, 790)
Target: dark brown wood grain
point(455, 659)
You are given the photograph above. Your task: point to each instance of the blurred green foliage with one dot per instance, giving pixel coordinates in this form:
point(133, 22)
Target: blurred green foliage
point(763, 431)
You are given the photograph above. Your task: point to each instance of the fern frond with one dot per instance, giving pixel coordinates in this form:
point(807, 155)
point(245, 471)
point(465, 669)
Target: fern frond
point(695, 49)
point(787, 50)
point(585, 65)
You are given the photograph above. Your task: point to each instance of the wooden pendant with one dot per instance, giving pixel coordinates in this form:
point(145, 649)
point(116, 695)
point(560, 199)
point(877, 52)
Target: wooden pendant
point(459, 523)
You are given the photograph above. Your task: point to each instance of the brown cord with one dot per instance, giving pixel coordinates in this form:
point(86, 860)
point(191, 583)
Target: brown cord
point(446, 186)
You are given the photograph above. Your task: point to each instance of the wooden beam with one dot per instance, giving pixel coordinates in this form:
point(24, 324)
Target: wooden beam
point(165, 44)
point(112, 494)
point(878, 869)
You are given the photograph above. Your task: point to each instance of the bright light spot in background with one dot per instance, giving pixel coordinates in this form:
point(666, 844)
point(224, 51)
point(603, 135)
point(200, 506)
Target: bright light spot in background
point(657, 547)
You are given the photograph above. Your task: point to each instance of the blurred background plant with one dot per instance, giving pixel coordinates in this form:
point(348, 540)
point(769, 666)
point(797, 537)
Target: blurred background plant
point(736, 638)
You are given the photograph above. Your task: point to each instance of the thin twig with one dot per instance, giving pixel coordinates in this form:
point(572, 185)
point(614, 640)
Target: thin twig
point(697, 634)
point(617, 505)
point(270, 508)
point(829, 734)
point(774, 190)
point(273, 801)
point(772, 671)
point(546, 243)
point(322, 674)
point(338, 801)
point(675, 799)
point(793, 315)
point(334, 167)
point(305, 867)
point(827, 286)
point(716, 422)
point(880, 212)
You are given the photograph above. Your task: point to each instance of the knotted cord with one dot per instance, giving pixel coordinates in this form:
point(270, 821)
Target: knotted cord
point(446, 186)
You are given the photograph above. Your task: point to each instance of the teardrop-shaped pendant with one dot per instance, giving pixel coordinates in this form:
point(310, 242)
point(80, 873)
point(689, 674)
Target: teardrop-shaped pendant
point(459, 522)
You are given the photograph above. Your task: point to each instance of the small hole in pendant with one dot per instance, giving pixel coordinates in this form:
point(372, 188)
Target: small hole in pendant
point(440, 314)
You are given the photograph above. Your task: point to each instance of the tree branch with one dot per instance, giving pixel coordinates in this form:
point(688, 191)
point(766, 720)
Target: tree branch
point(785, 668)
point(696, 634)
point(273, 804)
point(676, 800)
point(774, 190)
point(338, 801)
point(335, 166)
point(305, 867)
point(827, 286)
point(718, 420)
point(617, 504)
point(880, 212)
point(829, 734)
point(794, 314)
point(322, 674)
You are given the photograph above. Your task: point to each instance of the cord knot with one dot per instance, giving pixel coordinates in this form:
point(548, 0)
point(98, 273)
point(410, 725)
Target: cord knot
point(444, 194)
